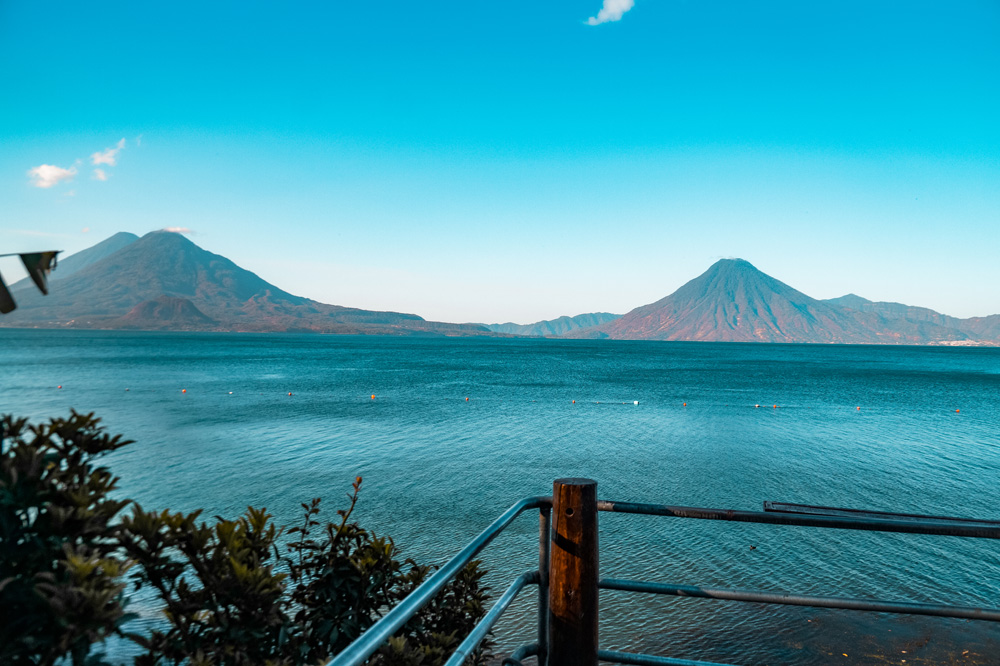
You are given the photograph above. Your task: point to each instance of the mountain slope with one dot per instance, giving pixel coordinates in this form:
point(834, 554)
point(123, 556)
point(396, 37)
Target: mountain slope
point(164, 265)
point(893, 310)
point(558, 326)
point(934, 323)
point(734, 302)
point(80, 260)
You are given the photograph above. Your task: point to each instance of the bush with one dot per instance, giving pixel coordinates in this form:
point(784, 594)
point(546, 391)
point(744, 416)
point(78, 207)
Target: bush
point(234, 592)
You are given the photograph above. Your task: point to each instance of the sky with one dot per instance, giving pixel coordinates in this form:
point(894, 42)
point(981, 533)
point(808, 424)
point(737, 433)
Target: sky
point(491, 162)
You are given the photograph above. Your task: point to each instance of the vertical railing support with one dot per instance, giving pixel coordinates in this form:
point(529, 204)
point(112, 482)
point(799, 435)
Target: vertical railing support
point(544, 521)
point(573, 574)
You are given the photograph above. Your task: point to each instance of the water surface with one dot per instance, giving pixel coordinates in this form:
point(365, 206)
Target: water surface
point(438, 468)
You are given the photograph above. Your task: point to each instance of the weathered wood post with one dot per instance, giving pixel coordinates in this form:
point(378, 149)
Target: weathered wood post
point(573, 574)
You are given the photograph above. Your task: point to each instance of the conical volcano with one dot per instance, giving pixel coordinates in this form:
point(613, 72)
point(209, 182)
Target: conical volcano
point(734, 302)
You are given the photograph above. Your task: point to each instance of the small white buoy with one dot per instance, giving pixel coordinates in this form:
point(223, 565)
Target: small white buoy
point(230, 393)
point(635, 402)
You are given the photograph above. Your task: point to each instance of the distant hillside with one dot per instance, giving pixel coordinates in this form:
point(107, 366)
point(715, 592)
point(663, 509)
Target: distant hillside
point(553, 327)
point(893, 310)
point(977, 328)
point(165, 281)
point(734, 302)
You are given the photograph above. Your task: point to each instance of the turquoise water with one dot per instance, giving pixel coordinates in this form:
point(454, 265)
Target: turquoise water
point(438, 467)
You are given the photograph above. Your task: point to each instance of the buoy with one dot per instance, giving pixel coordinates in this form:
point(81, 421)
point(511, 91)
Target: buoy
point(859, 409)
point(956, 411)
point(60, 386)
point(756, 406)
point(685, 404)
point(182, 390)
point(574, 402)
point(467, 400)
point(775, 406)
point(289, 393)
point(126, 389)
point(635, 402)
point(230, 393)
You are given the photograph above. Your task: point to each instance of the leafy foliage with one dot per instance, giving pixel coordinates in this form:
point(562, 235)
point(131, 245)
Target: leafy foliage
point(60, 565)
point(234, 592)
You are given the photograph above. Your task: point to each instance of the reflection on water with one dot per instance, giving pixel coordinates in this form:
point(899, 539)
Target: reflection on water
point(438, 468)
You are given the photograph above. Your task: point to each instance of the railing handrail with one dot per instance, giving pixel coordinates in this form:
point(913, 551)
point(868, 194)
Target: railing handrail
point(563, 532)
point(371, 640)
point(942, 526)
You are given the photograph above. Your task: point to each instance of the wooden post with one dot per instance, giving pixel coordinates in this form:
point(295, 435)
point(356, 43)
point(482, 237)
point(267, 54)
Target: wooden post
point(573, 574)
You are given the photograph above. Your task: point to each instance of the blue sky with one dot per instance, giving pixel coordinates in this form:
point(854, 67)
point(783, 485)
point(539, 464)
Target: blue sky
point(486, 161)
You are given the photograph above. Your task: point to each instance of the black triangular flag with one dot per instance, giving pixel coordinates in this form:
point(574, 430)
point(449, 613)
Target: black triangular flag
point(39, 265)
point(7, 303)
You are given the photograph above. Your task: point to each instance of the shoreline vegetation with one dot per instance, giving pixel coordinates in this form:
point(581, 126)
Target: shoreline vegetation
point(237, 592)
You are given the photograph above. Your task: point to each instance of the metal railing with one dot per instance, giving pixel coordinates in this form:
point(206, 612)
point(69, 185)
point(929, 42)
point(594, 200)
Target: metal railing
point(568, 581)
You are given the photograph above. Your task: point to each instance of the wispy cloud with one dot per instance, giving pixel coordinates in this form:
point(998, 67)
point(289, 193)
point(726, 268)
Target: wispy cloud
point(48, 175)
point(611, 11)
point(100, 174)
point(178, 230)
point(109, 156)
point(71, 193)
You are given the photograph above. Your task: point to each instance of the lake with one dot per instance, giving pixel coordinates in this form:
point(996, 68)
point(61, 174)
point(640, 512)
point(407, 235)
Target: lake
point(460, 429)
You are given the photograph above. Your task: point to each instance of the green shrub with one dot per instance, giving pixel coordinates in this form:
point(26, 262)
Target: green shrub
point(61, 568)
point(233, 592)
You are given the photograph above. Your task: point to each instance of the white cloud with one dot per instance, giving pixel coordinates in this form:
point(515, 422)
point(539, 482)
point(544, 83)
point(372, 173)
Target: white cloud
point(138, 140)
point(611, 11)
point(71, 193)
point(99, 174)
point(48, 175)
point(178, 230)
point(109, 156)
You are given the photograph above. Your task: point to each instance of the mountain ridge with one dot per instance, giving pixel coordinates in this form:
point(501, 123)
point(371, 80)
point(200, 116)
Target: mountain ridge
point(164, 281)
point(165, 265)
point(733, 301)
point(554, 327)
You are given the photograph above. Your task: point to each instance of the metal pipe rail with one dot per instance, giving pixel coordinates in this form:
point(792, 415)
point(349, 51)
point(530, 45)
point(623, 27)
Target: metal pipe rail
point(568, 582)
point(357, 652)
point(911, 525)
point(479, 632)
point(756, 596)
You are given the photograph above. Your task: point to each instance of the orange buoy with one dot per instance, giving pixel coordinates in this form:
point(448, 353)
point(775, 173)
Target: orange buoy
point(685, 404)
point(289, 393)
point(467, 400)
point(859, 409)
point(956, 411)
point(775, 406)
point(373, 396)
point(60, 386)
point(574, 402)
point(184, 390)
